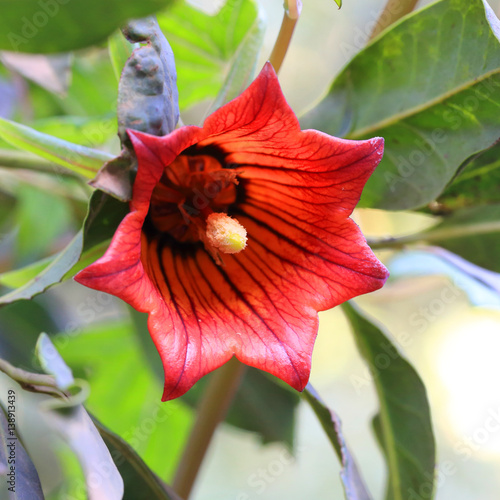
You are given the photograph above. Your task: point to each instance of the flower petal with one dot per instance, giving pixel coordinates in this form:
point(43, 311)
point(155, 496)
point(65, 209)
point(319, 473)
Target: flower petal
point(295, 194)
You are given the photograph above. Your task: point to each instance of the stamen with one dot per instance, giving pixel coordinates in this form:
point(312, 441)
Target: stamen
point(225, 234)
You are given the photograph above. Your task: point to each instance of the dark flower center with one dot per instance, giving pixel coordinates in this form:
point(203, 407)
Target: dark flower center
point(191, 188)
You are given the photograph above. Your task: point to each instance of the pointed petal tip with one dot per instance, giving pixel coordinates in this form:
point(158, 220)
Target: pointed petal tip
point(84, 277)
point(267, 71)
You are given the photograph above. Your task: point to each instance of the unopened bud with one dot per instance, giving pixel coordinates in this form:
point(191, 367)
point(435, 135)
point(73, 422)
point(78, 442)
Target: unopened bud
point(225, 234)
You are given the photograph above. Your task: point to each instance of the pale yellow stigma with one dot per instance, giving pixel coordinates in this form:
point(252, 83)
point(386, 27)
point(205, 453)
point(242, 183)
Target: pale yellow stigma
point(225, 234)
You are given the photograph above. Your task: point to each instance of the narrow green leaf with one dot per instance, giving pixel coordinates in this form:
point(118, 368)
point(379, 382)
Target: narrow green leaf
point(92, 131)
point(51, 275)
point(43, 26)
point(66, 416)
point(103, 217)
point(208, 54)
point(473, 233)
point(20, 159)
point(79, 159)
point(404, 425)
point(20, 478)
point(52, 362)
point(76, 428)
point(19, 277)
point(431, 87)
point(141, 483)
point(354, 487)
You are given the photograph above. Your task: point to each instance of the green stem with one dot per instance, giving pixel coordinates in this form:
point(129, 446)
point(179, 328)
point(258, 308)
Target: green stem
point(211, 411)
point(438, 234)
point(393, 11)
point(17, 159)
point(24, 377)
point(290, 19)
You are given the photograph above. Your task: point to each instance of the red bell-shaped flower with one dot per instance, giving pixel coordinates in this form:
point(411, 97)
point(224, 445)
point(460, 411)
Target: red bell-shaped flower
point(238, 234)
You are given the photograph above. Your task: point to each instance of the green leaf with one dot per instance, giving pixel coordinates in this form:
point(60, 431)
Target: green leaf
point(79, 159)
point(35, 237)
point(86, 131)
point(43, 26)
point(65, 415)
point(354, 486)
point(52, 362)
point(19, 159)
point(208, 59)
point(20, 324)
point(476, 183)
point(431, 87)
point(50, 275)
point(19, 277)
point(76, 428)
point(243, 62)
point(473, 233)
point(148, 425)
point(21, 476)
point(103, 217)
point(262, 404)
point(403, 427)
point(93, 91)
point(141, 483)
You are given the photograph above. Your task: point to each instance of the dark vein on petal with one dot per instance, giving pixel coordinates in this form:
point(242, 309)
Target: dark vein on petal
point(224, 304)
point(303, 160)
point(307, 270)
point(193, 308)
point(252, 277)
point(292, 242)
point(159, 254)
point(257, 314)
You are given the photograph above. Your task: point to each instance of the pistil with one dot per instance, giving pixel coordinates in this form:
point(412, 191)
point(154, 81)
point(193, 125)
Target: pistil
point(225, 234)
